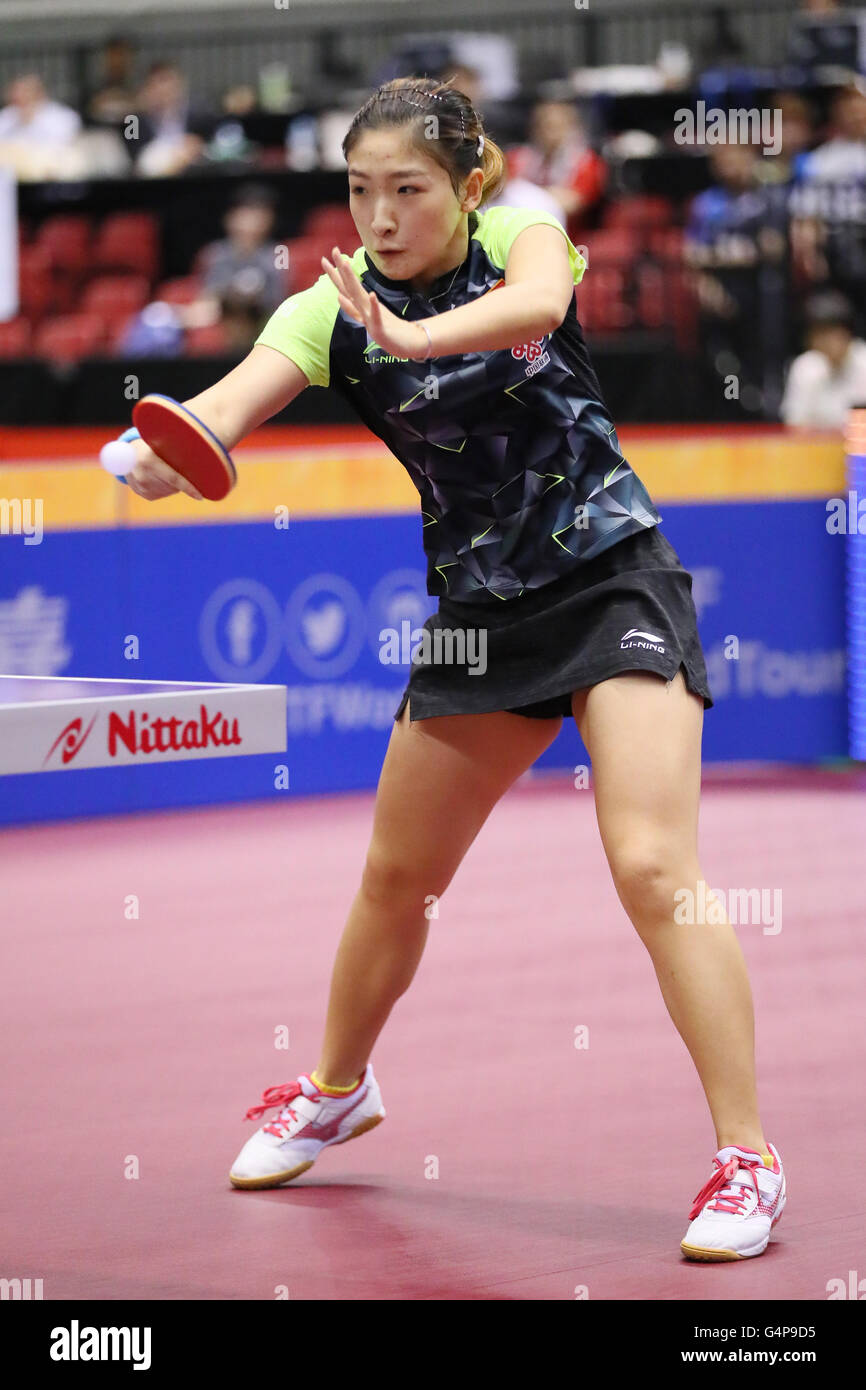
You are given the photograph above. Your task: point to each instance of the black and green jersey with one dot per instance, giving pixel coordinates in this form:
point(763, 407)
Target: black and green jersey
point(513, 452)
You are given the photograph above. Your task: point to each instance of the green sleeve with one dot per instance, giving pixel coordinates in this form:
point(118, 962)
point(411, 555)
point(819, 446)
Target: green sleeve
point(301, 327)
point(499, 227)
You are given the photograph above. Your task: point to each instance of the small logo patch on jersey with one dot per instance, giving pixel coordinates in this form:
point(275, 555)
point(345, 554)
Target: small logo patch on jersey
point(534, 355)
point(635, 638)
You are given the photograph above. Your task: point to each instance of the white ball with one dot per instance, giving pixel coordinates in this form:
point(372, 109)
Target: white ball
point(118, 457)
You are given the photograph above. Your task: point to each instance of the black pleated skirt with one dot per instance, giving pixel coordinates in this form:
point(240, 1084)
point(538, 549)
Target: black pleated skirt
point(629, 609)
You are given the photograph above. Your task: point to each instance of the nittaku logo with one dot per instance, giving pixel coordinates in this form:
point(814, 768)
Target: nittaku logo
point(635, 638)
point(534, 355)
point(137, 732)
point(72, 739)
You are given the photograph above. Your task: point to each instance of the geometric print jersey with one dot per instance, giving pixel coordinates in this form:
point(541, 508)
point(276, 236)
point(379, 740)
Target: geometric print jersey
point(513, 452)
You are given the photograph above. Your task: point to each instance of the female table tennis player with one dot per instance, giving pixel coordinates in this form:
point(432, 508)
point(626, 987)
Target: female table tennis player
point(538, 533)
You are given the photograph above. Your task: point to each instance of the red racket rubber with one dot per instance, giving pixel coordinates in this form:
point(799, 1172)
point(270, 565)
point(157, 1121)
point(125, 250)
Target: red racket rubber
point(186, 444)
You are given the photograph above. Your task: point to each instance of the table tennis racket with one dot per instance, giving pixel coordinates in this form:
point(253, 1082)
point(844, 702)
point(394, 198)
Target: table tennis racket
point(186, 444)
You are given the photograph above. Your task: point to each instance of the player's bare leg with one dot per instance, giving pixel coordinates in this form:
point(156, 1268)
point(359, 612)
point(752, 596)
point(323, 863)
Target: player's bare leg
point(440, 779)
point(643, 735)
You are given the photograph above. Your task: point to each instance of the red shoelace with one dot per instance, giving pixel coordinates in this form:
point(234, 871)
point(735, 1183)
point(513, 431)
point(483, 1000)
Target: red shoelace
point(733, 1200)
point(278, 1095)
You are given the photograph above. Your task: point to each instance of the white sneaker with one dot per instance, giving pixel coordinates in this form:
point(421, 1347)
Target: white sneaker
point(732, 1216)
point(308, 1122)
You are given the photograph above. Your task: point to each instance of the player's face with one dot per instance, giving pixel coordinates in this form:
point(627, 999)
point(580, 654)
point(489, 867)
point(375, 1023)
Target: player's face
point(407, 214)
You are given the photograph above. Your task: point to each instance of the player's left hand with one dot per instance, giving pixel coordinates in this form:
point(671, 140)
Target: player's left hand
point(393, 335)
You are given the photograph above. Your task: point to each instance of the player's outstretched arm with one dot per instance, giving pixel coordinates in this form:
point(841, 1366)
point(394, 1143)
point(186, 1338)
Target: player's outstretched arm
point(260, 386)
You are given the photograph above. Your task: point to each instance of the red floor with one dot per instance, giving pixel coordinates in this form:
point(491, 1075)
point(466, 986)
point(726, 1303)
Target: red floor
point(557, 1168)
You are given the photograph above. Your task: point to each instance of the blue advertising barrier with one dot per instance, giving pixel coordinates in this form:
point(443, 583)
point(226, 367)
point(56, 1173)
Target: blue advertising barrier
point(305, 606)
point(854, 527)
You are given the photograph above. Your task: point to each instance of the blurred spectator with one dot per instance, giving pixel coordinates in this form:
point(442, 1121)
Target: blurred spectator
point(797, 124)
point(828, 35)
point(736, 245)
point(721, 45)
point(500, 117)
point(828, 205)
point(114, 96)
point(827, 380)
point(172, 133)
point(37, 136)
point(241, 320)
point(32, 118)
point(155, 331)
point(466, 80)
point(520, 193)
point(240, 100)
point(491, 56)
point(229, 144)
point(559, 159)
point(244, 263)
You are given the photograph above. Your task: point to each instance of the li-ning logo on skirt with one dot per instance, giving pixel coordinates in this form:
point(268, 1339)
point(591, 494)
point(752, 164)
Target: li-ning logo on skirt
point(635, 638)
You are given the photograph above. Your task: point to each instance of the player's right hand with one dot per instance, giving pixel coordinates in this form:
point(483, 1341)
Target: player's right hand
point(152, 479)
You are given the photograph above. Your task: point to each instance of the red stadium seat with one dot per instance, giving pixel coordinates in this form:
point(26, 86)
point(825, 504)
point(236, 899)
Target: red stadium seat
point(183, 289)
point(305, 262)
point(654, 300)
point(128, 241)
point(69, 337)
point(641, 211)
point(602, 306)
point(66, 239)
point(611, 246)
point(116, 332)
point(332, 223)
point(36, 283)
point(667, 243)
point(272, 157)
point(15, 337)
point(205, 342)
point(685, 311)
point(115, 296)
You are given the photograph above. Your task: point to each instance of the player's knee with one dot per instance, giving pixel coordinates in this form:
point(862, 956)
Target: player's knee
point(397, 885)
point(645, 876)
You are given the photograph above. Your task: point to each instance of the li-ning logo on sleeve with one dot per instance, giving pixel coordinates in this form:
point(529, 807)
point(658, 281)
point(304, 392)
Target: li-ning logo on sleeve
point(534, 353)
point(631, 638)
